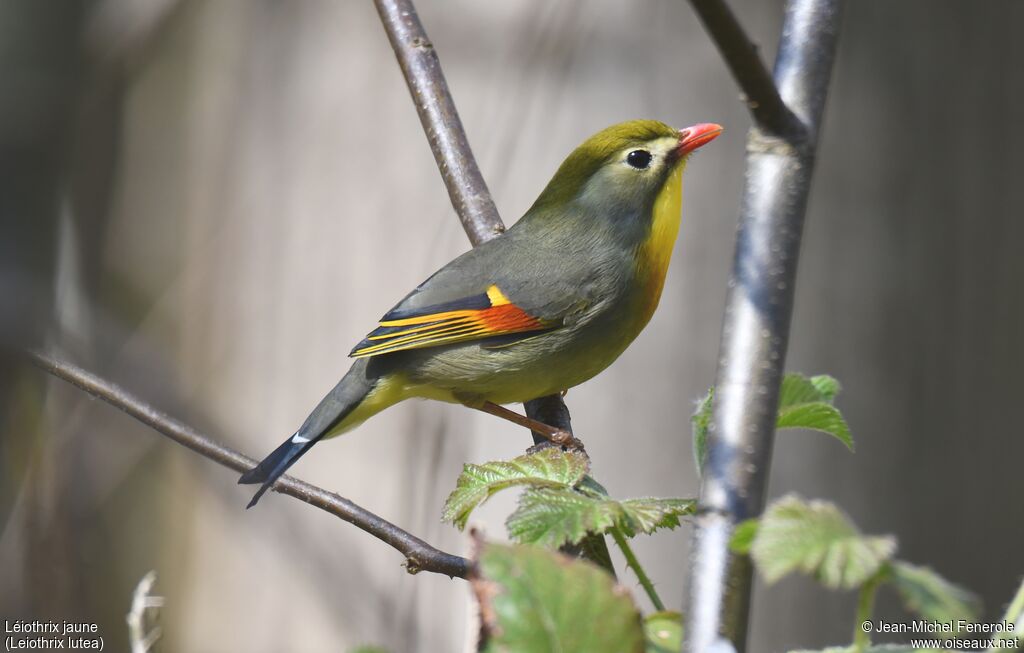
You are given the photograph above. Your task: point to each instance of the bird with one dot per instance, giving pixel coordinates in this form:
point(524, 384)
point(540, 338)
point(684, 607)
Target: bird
point(539, 309)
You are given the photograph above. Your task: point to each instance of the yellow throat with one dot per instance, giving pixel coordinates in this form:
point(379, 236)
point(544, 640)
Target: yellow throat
point(656, 252)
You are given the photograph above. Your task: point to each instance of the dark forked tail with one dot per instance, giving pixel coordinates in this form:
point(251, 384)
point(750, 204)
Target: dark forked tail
point(279, 460)
point(327, 416)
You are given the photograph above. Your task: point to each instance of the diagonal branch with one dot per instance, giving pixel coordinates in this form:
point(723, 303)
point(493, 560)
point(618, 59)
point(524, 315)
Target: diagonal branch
point(422, 70)
point(419, 555)
point(741, 55)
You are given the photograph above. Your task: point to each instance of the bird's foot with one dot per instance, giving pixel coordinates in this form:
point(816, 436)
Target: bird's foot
point(558, 438)
point(566, 439)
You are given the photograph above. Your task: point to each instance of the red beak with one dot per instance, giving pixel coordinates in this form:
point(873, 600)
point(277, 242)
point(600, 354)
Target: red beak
point(693, 137)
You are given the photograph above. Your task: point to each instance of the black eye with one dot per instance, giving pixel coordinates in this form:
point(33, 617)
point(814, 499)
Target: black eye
point(639, 159)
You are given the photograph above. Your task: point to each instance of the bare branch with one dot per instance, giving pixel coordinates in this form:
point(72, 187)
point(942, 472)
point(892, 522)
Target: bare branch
point(741, 55)
point(756, 329)
point(419, 555)
point(440, 119)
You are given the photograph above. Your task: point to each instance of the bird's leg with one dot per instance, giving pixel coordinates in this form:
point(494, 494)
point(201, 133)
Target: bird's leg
point(555, 435)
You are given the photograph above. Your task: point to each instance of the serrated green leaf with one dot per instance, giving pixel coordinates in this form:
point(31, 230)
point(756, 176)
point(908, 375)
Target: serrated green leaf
point(816, 538)
point(553, 517)
point(534, 601)
point(664, 632)
point(827, 386)
point(701, 421)
point(743, 536)
point(804, 402)
point(798, 389)
point(817, 416)
point(932, 596)
point(546, 468)
point(650, 514)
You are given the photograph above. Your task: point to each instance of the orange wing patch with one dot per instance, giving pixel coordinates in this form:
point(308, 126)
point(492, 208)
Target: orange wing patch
point(484, 316)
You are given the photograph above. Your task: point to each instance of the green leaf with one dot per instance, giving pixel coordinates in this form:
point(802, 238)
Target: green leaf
point(817, 539)
point(553, 517)
point(664, 632)
point(743, 536)
point(827, 386)
point(701, 421)
point(368, 649)
point(546, 468)
point(932, 596)
point(535, 601)
point(650, 514)
point(806, 403)
point(817, 417)
point(798, 389)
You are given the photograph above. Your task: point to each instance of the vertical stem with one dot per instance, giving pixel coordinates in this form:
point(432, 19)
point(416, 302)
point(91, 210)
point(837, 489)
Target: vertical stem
point(756, 329)
point(865, 607)
point(634, 564)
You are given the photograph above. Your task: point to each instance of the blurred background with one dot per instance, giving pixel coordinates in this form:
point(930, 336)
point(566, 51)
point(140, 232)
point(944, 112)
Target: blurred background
point(209, 202)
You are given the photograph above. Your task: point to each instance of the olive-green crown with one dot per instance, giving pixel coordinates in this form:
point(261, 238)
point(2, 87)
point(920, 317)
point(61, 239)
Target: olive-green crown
point(594, 152)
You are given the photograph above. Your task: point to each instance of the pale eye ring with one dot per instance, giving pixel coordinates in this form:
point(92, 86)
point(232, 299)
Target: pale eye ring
point(639, 159)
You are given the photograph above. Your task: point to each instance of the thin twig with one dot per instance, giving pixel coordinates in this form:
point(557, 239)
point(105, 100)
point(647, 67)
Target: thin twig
point(419, 555)
point(440, 120)
point(744, 62)
point(755, 332)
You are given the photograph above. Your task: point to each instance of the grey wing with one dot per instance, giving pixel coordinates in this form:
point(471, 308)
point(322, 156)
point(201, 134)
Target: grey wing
point(530, 277)
point(500, 290)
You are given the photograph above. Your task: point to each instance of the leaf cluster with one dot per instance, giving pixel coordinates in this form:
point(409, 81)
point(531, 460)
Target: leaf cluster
point(817, 539)
point(533, 598)
point(561, 504)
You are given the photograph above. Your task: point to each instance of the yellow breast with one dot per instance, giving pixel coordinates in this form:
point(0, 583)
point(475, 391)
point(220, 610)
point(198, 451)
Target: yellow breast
point(656, 252)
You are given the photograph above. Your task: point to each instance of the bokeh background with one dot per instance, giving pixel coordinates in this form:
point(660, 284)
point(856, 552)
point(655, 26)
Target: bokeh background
point(211, 201)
